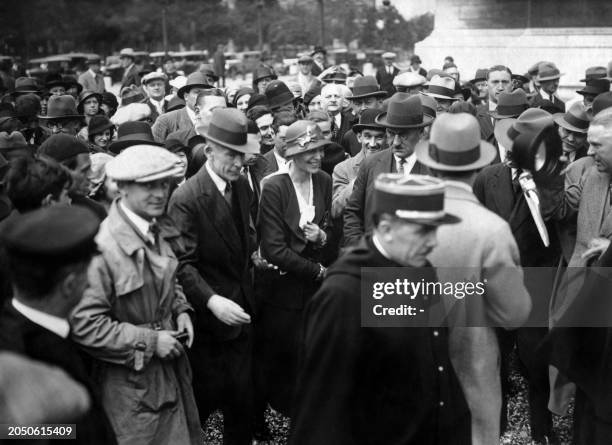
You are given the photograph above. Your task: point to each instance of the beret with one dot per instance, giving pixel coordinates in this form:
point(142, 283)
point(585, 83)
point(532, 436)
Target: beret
point(144, 163)
point(63, 147)
point(60, 231)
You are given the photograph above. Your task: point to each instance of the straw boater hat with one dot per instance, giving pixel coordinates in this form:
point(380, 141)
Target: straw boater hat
point(531, 120)
point(414, 198)
point(303, 136)
point(229, 128)
point(455, 145)
point(366, 86)
point(441, 88)
point(575, 119)
point(510, 104)
point(404, 111)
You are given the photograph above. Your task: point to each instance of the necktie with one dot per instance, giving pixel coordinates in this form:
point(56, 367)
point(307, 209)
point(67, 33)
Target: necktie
point(402, 165)
point(227, 195)
point(334, 129)
point(516, 185)
point(154, 235)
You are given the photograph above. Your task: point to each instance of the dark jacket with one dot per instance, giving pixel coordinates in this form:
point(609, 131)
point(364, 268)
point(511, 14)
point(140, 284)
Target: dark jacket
point(20, 335)
point(358, 210)
point(130, 77)
point(154, 113)
point(216, 247)
point(356, 385)
point(282, 241)
point(385, 80)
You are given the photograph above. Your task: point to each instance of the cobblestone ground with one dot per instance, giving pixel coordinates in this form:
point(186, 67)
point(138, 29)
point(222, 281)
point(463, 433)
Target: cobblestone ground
point(518, 417)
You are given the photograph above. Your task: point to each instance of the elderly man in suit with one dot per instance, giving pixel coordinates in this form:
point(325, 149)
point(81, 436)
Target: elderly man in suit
point(405, 126)
point(48, 252)
point(483, 246)
point(372, 138)
point(497, 187)
point(91, 79)
point(499, 80)
point(216, 252)
point(386, 73)
point(183, 118)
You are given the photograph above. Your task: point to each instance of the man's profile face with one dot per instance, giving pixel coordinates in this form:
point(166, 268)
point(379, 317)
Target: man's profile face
point(191, 96)
point(372, 141)
point(225, 162)
point(498, 82)
point(600, 143)
point(147, 199)
point(280, 141)
point(156, 89)
point(408, 243)
point(80, 175)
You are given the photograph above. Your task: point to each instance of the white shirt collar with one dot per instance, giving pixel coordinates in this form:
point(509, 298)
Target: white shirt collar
point(192, 115)
point(492, 105)
point(338, 119)
point(280, 161)
point(57, 325)
point(408, 166)
point(158, 104)
point(218, 180)
point(545, 95)
point(141, 224)
point(380, 248)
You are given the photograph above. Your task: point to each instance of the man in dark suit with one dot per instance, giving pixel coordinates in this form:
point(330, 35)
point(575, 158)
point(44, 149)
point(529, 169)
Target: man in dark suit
point(386, 74)
point(499, 80)
point(548, 79)
point(380, 385)
point(497, 188)
point(49, 251)
point(405, 125)
point(212, 212)
point(130, 70)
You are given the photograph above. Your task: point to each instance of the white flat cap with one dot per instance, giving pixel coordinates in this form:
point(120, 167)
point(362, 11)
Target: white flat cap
point(178, 82)
point(389, 55)
point(409, 79)
point(144, 163)
point(153, 76)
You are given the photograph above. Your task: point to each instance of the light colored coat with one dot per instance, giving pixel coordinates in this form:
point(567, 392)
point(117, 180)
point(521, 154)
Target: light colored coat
point(132, 289)
point(92, 83)
point(480, 247)
point(344, 176)
point(169, 123)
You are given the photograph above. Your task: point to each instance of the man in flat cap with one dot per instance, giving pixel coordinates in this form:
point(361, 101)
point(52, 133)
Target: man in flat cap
point(134, 318)
point(212, 212)
point(380, 385)
point(154, 84)
point(386, 73)
point(48, 252)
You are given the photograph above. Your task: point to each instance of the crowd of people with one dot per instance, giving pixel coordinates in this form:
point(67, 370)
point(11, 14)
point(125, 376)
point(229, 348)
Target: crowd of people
point(185, 248)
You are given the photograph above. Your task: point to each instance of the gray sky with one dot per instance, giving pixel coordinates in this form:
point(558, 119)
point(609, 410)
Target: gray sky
point(410, 8)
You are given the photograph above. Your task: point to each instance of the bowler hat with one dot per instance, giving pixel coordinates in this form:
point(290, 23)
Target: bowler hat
point(318, 49)
point(61, 107)
point(455, 145)
point(209, 71)
point(404, 111)
point(367, 120)
point(229, 128)
point(195, 79)
point(366, 86)
point(530, 120)
point(409, 79)
point(481, 74)
point(133, 133)
point(63, 147)
point(144, 163)
point(441, 88)
point(26, 85)
point(86, 95)
point(510, 104)
point(55, 80)
point(60, 232)
point(548, 71)
point(262, 72)
point(278, 95)
point(601, 102)
point(595, 72)
point(98, 124)
point(575, 119)
point(303, 136)
point(414, 198)
point(595, 86)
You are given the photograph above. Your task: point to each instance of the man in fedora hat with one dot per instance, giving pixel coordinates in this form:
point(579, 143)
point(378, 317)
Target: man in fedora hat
point(130, 76)
point(497, 187)
point(366, 94)
point(183, 118)
point(92, 79)
point(386, 73)
point(415, 66)
point(573, 127)
point(134, 318)
point(62, 115)
point(48, 253)
point(499, 80)
point(405, 125)
point(509, 106)
point(548, 80)
point(483, 243)
point(211, 209)
point(372, 139)
point(443, 90)
point(592, 89)
point(480, 82)
point(154, 84)
point(380, 385)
